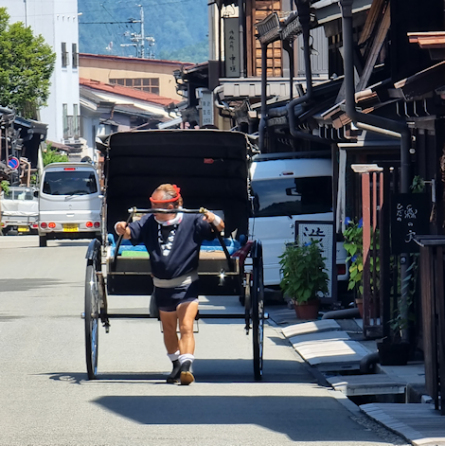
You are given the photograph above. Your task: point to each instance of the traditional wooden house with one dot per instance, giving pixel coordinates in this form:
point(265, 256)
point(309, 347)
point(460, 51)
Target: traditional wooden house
point(370, 86)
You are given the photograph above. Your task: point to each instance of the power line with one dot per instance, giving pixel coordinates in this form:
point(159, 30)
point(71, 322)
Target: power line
point(108, 22)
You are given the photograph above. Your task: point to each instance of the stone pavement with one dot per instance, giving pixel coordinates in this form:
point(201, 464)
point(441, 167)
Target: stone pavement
point(336, 346)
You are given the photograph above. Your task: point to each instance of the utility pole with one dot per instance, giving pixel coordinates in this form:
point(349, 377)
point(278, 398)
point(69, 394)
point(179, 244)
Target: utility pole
point(138, 40)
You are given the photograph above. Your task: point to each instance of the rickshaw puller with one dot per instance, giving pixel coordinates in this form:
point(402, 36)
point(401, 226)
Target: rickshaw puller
point(173, 241)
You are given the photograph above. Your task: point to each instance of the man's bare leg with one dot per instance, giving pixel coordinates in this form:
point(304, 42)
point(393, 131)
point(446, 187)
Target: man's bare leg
point(170, 339)
point(187, 313)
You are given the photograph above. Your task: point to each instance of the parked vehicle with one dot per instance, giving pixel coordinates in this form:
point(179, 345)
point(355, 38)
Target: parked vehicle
point(70, 202)
point(19, 210)
point(289, 188)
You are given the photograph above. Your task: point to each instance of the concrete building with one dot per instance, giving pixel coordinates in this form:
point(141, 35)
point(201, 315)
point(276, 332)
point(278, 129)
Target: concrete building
point(147, 75)
point(57, 22)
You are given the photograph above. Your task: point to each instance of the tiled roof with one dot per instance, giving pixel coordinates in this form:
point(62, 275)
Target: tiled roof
point(126, 91)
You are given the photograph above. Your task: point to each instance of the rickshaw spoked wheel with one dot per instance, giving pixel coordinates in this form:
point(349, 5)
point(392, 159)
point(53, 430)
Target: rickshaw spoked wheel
point(92, 309)
point(257, 310)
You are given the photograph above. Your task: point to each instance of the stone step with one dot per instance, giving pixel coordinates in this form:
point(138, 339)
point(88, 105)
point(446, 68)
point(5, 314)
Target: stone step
point(365, 385)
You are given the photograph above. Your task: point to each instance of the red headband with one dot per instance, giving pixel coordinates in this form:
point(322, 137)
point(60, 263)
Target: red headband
point(176, 198)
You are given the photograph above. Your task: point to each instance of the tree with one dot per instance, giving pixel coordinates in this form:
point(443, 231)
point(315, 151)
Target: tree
point(26, 66)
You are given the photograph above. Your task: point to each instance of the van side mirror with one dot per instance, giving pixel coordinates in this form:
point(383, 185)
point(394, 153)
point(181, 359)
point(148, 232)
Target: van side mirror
point(36, 193)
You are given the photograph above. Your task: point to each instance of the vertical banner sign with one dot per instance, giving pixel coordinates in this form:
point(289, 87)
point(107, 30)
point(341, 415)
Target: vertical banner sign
point(409, 217)
point(207, 107)
point(231, 47)
point(323, 231)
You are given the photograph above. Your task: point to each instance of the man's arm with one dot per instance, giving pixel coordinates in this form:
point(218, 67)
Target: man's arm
point(212, 218)
point(122, 228)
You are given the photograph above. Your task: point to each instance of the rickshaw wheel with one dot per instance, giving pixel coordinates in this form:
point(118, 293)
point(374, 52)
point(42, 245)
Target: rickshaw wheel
point(257, 310)
point(92, 307)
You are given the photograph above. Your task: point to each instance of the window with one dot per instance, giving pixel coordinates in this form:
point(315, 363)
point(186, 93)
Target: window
point(65, 55)
point(74, 56)
point(150, 85)
point(69, 182)
point(292, 196)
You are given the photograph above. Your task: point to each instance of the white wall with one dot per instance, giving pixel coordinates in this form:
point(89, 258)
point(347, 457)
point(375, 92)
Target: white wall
point(57, 22)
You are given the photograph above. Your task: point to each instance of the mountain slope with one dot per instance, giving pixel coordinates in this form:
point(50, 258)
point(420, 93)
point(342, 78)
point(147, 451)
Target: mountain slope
point(179, 28)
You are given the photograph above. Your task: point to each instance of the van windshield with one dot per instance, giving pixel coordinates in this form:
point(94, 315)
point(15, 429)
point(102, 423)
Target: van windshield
point(292, 196)
point(77, 182)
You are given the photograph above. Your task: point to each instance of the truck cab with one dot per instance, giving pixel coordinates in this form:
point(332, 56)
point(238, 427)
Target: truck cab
point(19, 210)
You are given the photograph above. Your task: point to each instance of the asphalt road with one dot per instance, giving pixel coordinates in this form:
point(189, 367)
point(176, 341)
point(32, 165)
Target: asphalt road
point(46, 398)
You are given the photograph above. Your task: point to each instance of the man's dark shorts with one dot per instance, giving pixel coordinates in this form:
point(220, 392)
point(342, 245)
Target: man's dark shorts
point(167, 299)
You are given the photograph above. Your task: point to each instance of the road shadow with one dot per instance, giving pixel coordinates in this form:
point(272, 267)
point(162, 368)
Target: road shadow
point(301, 418)
point(121, 377)
point(67, 243)
point(26, 284)
point(207, 371)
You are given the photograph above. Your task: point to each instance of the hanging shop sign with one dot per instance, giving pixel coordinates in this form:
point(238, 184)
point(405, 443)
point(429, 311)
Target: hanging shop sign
point(231, 47)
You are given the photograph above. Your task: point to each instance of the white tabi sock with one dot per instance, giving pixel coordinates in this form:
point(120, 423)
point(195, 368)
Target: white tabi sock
point(174, 356)
point(186, 357)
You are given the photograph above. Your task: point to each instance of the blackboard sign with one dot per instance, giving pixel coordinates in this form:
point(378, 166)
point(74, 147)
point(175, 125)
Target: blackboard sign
point(409, 217)
point(322, 231)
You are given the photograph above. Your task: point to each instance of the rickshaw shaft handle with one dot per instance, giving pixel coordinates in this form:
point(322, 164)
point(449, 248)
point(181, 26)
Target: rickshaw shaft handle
point(167, 211)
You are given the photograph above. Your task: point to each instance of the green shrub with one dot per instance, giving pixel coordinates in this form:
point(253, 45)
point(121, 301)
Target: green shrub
point(50, 156)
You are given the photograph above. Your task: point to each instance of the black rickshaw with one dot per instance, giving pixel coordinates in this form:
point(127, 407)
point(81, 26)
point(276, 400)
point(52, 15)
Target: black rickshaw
point(212, 169)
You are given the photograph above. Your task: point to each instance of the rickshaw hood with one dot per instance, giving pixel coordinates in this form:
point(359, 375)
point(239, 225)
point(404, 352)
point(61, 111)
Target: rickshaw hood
point(210, 167)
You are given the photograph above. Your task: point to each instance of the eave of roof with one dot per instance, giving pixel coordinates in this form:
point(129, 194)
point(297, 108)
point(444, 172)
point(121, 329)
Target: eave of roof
point(135, 59)
point(60, 146)
point(130, 109)
point(126, 92)
point(429, 40)
point(329, 10)
point(423, 82)
point(92, 101)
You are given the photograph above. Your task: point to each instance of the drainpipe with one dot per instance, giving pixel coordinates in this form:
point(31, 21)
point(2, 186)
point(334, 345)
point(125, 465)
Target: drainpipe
point(287, 46)
point(377, 124)
point(264, 85)
point(366, 121)
point(241, 35)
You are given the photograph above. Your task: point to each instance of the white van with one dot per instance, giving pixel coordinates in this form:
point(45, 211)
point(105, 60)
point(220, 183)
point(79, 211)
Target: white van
point(289, 188)
point(70, 202)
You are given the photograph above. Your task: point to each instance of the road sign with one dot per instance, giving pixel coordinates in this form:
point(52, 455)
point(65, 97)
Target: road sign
point(13, 163)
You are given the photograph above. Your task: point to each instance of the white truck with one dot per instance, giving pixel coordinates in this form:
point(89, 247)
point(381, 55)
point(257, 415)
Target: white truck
point(70, 202)
point(19, 210)
point(293, 191)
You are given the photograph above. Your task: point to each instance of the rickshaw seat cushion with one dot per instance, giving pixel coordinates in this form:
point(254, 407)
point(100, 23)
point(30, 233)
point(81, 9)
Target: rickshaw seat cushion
point(214, 245)
point(127, 249)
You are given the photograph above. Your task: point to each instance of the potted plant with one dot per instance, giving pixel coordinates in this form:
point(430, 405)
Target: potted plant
point(304, 277)
point(353, 244)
